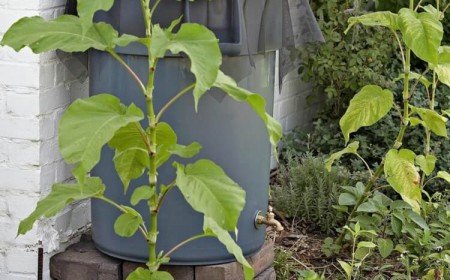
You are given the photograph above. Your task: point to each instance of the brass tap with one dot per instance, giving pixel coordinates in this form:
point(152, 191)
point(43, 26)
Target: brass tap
point(269, 220)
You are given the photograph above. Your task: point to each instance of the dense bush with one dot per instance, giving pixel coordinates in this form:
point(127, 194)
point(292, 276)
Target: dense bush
point(307, 191)
point(345, 62)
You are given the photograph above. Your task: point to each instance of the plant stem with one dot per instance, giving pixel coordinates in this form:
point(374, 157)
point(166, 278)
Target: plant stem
point(446, 8)
point(431, 106)
point(129, 70)
point(152, 174)
point(353, 258)
point(418, 5)
point(427, 130)
point(366, 164)
point(163, 195)
point(173, 100)
point(178, 246)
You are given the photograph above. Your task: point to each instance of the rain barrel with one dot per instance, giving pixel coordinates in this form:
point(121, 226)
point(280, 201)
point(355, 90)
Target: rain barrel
point(230, 133)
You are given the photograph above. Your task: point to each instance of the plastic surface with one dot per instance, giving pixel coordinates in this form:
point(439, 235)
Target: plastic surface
point(242, 26)
point(231, 135)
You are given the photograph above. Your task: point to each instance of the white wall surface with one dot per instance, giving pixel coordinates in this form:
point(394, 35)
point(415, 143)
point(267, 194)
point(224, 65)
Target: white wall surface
point(34, 91)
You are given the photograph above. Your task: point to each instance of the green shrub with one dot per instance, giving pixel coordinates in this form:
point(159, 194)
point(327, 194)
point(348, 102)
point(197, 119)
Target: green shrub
point(346, 62)
point(307, 191)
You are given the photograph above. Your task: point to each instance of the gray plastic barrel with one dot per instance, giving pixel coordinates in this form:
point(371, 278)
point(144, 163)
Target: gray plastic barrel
point(230, 132)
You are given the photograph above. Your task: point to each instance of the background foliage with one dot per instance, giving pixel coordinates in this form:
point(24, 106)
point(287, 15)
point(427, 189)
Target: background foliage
point(344, 63)
point(306, 190)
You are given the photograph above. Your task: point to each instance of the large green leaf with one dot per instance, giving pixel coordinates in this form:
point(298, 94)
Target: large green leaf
point(142, 193)
point(385, 247)
point(210, 191)
point(88, 124)
point(403, 177)
point(129, 136)
point(386, 19)
point(87, 8)
point(366, 108)
point(422, 33)
point(432, 120)
point(442, 69)
point(426, 163)
point(128, 223)
point(63, 33)
point(132, 156)
point(61, 196)
point(211, 227)
point(255, 101)
point(200, 45)
point(444, 175)
point(131, 164)
point(167, 146)
point(145, 274)
point(352, 148)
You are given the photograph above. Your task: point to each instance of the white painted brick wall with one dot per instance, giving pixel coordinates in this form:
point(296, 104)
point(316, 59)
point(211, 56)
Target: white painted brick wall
point(291, 108)
point(34, 91)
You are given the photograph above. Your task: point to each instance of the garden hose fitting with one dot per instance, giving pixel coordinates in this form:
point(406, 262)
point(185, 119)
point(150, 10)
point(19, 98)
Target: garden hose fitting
point(269, 220)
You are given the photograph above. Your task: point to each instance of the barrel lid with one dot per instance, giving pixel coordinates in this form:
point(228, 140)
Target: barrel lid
point(242, 26)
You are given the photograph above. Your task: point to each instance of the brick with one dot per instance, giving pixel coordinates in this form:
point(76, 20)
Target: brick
point(47, 74)
point(268, 274)
point(229, 271)
point(19, 179)
point(48, 4)
point(19, 128)
point(263, 259)
point(19, 74)
point(23, 5)
point(49, 151)
point(18, 276)
point(24, 55)
point(20, 206)
point(22, 104)
point(21, 261)
point(8, 17)
point(21, 152)
point(84, 262)
point(8, 233)
point(54, 98)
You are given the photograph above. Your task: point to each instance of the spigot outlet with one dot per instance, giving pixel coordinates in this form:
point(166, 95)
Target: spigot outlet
point(268, 220)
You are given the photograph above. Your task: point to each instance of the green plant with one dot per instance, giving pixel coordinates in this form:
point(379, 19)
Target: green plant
point(361, 250)
point(420, 33)
point(310, 275)
point(344, 62)
point(307, 191)
point(324, 139)
point(424, 242)
point(283, 267)
point(428, 246)
point(91, 123)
